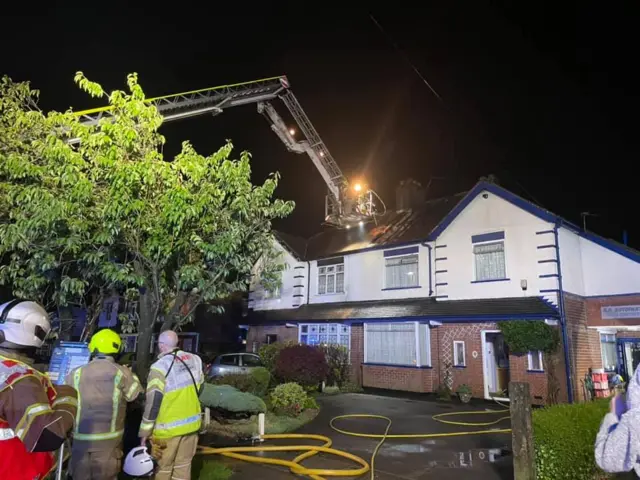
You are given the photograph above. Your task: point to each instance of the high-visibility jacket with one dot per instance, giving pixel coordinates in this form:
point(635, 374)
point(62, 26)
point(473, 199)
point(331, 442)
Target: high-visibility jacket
point(35, 418)
point(172, 405)
point(104, 388)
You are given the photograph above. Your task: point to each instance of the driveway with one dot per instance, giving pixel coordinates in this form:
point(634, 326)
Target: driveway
point(481, 457)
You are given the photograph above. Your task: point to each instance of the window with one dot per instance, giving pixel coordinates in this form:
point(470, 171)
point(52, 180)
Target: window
point(271, 338)
point(398, 343)
point(608, 349)
point(325, 333)
point(331, 279)
point(489, 261)
point(459, 359)
point(251, 361)
point(229, 360)
point(401, 272)
point(535, 361)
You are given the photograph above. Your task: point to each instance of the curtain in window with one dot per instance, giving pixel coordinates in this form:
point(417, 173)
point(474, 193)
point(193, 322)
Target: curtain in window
point(391, 343)
point(490, 264)
point(401, 272)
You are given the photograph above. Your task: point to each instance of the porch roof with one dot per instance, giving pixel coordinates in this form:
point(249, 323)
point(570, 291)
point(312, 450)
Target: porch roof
point(478, 310)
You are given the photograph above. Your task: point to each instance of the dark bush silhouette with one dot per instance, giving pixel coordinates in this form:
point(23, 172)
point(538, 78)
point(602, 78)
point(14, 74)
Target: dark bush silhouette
point(302, 364)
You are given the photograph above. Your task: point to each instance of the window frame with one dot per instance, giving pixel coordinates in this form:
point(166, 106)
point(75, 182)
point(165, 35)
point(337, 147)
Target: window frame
point(420, 362)
point(504, 253)
point(335, 273)
point(339, 333)
point(615, 350)
point(386, 286)
point(464, 354)
point(530, 361)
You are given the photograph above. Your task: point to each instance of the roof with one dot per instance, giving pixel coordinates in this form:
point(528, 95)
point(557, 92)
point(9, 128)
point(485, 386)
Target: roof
point(426, 224)
point(413, 308)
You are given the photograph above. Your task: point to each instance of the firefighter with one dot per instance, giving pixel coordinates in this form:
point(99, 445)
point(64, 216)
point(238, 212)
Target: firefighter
point(172, 410)
point(104, 388)
point(35, 415)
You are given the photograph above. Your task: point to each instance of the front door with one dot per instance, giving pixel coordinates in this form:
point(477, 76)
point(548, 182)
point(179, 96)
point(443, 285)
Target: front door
point(496, 365)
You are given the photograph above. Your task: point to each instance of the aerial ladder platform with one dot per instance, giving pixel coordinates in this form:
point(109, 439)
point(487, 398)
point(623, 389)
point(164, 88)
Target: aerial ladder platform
point(345, 204)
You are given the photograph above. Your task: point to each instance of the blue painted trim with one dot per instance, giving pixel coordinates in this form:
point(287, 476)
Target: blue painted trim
point(400, 288)
point(443, 284)
point(535, 371)
point(459, 366)
point(491, 281)
point(543, 232)
point(548, 275)
point(442, 296)
point(401, 251)
point(539, 212)
point(441, 271)
point(549, 290)
point(549, 260)
point(563, 320)
point(438, 259)
point(487, 237)
point(440, 246)
point(540, 247)
point(396, 366)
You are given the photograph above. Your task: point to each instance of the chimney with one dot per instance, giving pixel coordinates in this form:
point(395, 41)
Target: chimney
point(409, 195)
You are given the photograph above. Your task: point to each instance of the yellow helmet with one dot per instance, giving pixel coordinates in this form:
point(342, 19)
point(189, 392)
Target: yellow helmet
point(105, 341)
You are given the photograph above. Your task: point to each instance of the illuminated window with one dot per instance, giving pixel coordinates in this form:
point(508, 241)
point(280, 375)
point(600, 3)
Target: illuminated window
point(401, 271)
point(324, 334)
point(331, 279)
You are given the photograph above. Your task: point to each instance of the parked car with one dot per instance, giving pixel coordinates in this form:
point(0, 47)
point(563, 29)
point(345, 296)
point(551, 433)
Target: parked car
point(233, 363)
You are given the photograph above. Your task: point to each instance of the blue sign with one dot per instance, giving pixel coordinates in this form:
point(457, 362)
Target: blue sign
point(65, 357)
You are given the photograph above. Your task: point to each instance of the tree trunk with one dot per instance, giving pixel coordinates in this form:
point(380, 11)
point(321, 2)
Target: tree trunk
point(145, 333)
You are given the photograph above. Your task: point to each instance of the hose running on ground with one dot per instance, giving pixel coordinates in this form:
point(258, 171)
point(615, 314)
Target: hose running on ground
point(308, 451)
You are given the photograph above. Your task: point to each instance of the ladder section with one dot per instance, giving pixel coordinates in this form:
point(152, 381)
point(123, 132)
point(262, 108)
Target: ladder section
point(206, 100)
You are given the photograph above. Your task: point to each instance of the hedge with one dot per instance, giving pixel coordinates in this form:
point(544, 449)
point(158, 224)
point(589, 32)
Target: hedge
point(225, 397)
point(565, 438)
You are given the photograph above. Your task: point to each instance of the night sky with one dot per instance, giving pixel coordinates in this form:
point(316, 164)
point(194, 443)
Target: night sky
point(544, 98)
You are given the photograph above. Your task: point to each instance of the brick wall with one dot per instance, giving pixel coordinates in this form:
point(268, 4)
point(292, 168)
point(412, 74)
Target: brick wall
point(398, 378)
point(357, 353)
point(594, 314)
point(258, 335)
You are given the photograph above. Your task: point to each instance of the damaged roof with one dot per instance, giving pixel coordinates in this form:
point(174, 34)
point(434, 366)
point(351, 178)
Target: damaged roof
point(388, 229)
point(411, 308)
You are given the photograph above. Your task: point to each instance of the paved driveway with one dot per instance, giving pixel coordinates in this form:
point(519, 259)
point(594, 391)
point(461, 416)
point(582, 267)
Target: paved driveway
point(481, 457)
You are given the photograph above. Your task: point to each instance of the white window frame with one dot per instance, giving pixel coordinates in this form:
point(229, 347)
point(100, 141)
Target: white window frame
point(420, 361)
point(464, 354)
point(338, 328)
point(615, 351)
point(334, 274)
point(530, 361)
point(504, 252)
point(394, 257)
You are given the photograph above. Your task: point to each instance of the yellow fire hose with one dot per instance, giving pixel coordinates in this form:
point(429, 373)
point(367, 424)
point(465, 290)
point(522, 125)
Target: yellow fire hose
point(296, 467)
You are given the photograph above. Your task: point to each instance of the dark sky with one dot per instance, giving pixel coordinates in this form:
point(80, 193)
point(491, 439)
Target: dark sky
point(543, 97)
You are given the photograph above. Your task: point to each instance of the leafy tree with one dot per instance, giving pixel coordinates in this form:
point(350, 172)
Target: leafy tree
point(173, 234)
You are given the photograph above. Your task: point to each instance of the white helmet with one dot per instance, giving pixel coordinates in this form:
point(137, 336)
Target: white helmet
point(138, 463)
point(23, 323)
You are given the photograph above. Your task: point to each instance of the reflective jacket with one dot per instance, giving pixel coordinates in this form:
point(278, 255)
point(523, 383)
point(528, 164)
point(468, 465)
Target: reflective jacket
point(35, 418)
point(104, 388)
point(172, 405)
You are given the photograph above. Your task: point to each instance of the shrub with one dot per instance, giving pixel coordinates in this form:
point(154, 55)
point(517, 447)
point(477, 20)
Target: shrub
point(289, 398)
point(351, 387)
point(261, 379)
point(225, 397)
point(302, 364)
point(338, 362)
point(564, 437)
point(269, 354)
point(310, 403)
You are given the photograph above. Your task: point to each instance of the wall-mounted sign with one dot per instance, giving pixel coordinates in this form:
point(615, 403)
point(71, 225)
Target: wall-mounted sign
point(620, 312)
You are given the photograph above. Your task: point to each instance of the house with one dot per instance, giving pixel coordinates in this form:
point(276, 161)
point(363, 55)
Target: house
point(416, 297)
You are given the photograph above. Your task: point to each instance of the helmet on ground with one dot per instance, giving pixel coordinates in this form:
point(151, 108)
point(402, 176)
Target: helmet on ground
point(105, 341)
point(23, 323)
point(138, 463)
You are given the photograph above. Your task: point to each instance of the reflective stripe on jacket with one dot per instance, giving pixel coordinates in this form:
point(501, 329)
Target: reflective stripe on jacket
point(179, 406)
point(104, 388)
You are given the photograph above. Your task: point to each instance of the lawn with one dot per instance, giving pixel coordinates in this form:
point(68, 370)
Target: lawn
point(205, 468)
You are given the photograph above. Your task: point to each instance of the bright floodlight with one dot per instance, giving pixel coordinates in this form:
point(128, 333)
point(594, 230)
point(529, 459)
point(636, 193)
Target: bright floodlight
point(357, 187)
point(361, 223)
point(292, 131)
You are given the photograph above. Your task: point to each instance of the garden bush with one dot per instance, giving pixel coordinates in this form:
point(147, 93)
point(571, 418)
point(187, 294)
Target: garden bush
point(256, 382)
point(302, 364)
point(338, 362)
point(269, 354)
point(225, 397)
point(289, 399)
point(564, 437)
